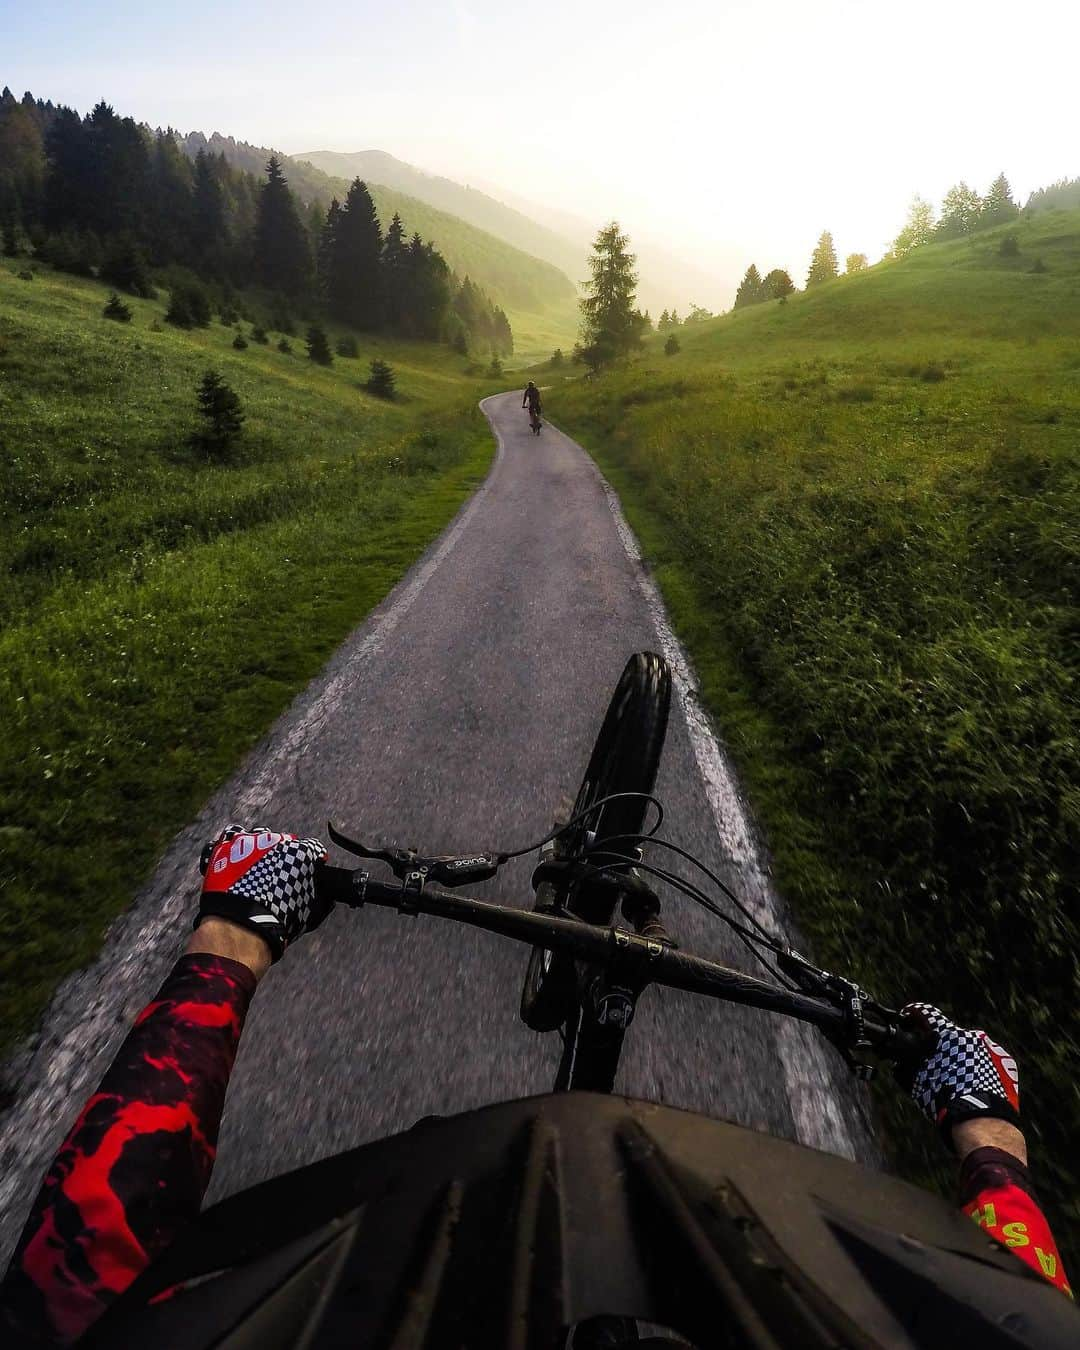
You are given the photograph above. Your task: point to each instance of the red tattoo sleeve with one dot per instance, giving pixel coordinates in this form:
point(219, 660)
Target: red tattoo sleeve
point(996, 1191)
point(136, 1164)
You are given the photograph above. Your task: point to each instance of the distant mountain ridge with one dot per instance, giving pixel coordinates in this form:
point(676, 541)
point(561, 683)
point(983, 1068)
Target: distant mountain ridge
point(559, 237)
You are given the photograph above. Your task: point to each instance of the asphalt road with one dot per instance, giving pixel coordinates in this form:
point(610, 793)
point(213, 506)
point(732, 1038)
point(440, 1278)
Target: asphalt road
point(457, 717)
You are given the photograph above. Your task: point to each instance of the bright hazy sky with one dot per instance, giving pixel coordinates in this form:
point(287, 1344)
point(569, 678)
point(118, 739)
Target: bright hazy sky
point(732, 131)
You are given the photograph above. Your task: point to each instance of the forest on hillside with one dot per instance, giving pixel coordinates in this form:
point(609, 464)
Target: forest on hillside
point(101, 195)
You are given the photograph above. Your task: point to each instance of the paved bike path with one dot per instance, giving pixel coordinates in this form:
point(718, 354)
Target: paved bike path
point(458, 716)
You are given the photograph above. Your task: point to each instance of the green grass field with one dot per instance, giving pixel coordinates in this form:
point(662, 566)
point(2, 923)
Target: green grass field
point(862, 507)
point(159, 610)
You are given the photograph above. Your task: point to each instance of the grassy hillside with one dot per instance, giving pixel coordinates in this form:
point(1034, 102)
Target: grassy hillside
point(862, 506)
point(538, 296)
point(159, 609)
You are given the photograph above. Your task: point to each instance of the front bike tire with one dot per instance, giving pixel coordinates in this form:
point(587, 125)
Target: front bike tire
point(625, 758)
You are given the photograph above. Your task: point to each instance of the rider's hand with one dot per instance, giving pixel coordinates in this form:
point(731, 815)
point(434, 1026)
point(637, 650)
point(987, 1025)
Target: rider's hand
point(263, 881)
point(961, 1076)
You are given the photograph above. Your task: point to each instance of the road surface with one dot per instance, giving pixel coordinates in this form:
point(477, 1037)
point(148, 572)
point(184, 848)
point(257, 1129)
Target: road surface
point(458, 716)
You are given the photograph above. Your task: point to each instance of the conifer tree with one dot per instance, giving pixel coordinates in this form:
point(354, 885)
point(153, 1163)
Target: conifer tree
point(324, 253)
point(208, 223)
point(504, 335)
point(382, 380)
point(610, 324)
point(663, 323)
point(318, 348)
point(394, 255)
point(751, 290)
point(221, 411)
point(355, 280)
point(282, 251)
point(998, 204)
point(674, 321)
point(823, 265)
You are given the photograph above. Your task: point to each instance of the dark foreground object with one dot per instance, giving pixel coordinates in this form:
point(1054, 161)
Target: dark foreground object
point(503, 1227)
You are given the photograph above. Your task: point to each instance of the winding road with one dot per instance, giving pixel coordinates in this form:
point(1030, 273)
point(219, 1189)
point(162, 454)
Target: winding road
point(458, 716)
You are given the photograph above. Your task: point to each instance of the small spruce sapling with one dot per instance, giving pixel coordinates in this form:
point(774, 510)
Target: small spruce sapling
point(222, 414)
point(240, 342)
point(317, 346)
point(116, 309)
point(672, 346)
point(382, 380)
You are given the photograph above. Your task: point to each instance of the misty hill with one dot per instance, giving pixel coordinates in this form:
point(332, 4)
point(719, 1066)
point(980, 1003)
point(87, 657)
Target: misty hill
point(512, 277)
point(467, 203)
point(556, 235)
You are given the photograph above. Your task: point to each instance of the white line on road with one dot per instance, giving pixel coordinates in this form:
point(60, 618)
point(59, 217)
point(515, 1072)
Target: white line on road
point(808, 1076)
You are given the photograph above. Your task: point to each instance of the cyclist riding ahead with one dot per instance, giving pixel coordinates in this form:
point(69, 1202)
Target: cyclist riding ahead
point(571, 1220)
point(531, 400)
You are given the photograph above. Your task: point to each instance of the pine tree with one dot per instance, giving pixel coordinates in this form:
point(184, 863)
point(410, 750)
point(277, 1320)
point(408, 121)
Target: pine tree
point(823, 265)
point(663, 323)
point(125, 266)
point(646, 322)
point(960, 210)
point(222, 413)
point(355, 280)
point(855, 262)
point(324, 253)
point(116, 309)
point(282, 251)
point(171, 203)
point(672, 346)
point(504, 334)
point(318, 348)
point(918, 229)
point(394, 258)
point(674, 321)
point(778, 285)
point(751, 291)
point(610, 326)
point(998, 205)
point(209, 236)
point(382, 381)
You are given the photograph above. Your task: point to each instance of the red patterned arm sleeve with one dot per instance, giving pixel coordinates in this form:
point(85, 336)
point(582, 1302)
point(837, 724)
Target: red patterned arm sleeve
point(996, 1191)
point(136, 1164)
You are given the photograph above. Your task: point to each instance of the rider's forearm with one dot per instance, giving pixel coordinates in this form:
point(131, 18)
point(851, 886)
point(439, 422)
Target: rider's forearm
point(996, 1191)
point(135, 1166)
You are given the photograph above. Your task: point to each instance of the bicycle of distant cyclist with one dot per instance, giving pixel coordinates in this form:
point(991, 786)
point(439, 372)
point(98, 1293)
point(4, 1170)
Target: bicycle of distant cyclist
point(534, 421)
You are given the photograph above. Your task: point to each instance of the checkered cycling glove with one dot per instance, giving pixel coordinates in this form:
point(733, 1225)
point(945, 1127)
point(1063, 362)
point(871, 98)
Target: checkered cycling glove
point(963, 1076)
point(264, 881)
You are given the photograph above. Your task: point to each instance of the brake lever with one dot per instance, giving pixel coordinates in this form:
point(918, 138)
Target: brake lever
point(446, 869)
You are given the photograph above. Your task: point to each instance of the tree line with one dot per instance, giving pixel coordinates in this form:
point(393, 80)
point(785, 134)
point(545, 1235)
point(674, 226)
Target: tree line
point(963, 212)
point(102, 195)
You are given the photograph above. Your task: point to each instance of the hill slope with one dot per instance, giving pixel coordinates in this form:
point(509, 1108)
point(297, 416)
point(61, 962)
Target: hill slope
point(862, 506)
point(162, 604)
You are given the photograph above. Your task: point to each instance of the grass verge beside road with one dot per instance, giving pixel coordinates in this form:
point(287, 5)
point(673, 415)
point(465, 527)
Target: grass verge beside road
point(862, 510)
point(159, 610)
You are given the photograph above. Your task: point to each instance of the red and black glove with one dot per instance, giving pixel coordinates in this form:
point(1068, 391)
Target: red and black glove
point(263, 881)
point(963, 1075)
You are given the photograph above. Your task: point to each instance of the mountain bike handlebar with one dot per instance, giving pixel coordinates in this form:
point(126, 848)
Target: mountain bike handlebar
point(653, 962)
